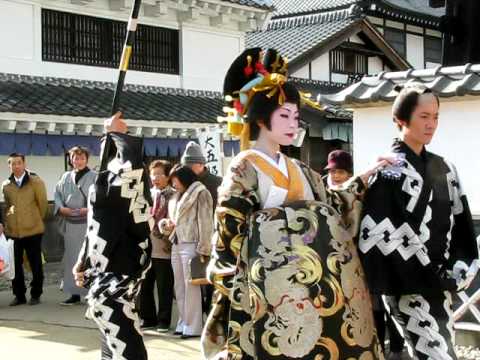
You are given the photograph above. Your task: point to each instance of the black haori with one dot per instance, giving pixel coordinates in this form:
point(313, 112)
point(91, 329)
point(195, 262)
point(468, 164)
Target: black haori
point(117, 248)
point(417, 234)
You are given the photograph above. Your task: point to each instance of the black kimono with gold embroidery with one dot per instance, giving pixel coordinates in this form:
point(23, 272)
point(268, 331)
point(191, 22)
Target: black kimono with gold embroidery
point(288, 279)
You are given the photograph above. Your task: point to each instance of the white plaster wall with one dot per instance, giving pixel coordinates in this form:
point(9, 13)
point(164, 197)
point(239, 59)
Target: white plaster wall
point(16, 30)
point(321, 68)
point(21, 37)
point(415, 51)
point(375, 65)
point(302, 72)
point(356, 39)
point(49, 168)
point(340, 78)
point(429, 65)
point(457, 139)
point(206, 57)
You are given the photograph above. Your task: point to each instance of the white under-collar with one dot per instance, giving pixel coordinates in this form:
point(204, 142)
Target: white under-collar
point(281, 165)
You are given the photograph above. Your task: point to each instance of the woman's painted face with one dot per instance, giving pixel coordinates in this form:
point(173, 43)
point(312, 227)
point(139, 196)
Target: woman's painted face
point(283, 124)
point(177, 185)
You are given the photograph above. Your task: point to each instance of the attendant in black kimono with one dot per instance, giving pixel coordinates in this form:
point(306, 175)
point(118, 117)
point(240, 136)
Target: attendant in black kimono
point(116, 253)
point(416, 235)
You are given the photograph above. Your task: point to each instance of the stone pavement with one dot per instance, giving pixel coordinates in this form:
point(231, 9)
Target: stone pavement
point(49, 331)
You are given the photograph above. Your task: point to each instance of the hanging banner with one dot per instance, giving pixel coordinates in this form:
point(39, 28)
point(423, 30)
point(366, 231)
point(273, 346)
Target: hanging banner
point(211, 143)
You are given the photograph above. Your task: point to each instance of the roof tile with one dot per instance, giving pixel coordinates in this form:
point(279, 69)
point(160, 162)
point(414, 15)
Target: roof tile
point(42, 95)
point(444, 81)
point(294, 38)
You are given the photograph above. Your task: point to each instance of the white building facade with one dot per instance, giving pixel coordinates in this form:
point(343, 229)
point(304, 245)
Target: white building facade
point(181, 46)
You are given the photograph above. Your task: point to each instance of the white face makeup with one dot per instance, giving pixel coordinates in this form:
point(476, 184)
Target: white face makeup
point(283, 125)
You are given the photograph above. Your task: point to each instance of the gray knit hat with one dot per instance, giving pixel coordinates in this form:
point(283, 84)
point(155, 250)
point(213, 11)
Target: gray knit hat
point(193, 154)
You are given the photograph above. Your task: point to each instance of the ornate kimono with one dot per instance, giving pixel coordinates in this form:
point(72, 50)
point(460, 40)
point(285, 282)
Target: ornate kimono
point(289, 283)
point(72, 193)
point(418, 245)
point(117, 249)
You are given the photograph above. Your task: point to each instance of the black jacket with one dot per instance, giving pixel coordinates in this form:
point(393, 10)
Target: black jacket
point(211, 182)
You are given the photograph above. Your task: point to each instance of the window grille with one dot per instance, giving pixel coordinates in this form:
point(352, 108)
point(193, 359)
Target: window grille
point(397, 39)
point(86, 40)
point(433, 49)
point(348, 62)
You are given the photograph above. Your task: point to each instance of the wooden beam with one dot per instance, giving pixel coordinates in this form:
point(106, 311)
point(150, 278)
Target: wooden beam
point(219, 20)
point(70, 128)
point(249, 25)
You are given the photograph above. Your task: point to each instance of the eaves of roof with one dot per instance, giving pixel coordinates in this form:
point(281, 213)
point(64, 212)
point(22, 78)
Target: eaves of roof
point(57, 96)
point(400, 11)
point(446, 82)
point(261, 4)
point(301, 7)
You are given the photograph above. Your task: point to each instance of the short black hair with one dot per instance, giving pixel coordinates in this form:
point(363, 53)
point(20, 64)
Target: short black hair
point(16, 155)
point(262, 106)
point(184, 174)
point(407, 100)
point(164, 164)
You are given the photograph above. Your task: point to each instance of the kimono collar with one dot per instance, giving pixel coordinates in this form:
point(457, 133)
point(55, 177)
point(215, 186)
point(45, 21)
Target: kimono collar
point(418, 161)
point(289, 179)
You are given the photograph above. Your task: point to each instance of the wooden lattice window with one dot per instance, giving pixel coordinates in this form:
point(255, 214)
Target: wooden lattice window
point(86, 40)
point(397, 39)
point(433, 49)
point(348, 62)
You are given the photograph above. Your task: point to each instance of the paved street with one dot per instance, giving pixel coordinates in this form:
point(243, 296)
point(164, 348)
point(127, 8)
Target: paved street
point(49, 331)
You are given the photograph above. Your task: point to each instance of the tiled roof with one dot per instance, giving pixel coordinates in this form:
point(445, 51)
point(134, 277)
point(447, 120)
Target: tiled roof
point(446, 82)
point(419, 6)
point(262, 4)
point(46, 95)
point(288, 7)
point(316, 86)
point(293, 37)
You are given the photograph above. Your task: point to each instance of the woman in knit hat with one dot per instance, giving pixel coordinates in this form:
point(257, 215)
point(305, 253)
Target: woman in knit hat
point(289, 283)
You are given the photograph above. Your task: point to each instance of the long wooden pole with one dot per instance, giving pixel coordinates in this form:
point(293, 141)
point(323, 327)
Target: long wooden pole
point(122, 72)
